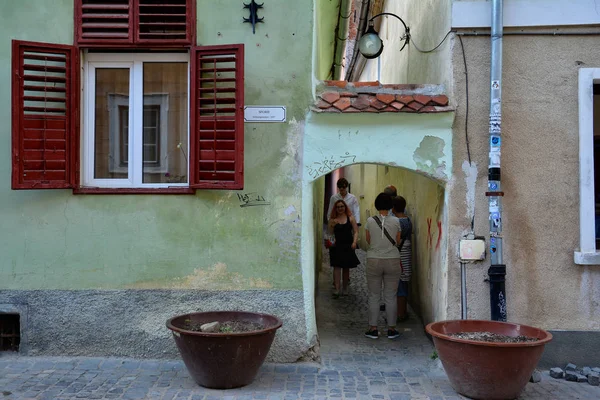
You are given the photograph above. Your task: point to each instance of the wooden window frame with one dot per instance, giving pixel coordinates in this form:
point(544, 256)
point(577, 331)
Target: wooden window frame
point(134, 39)
point(235, 51)
point(20, 125)
point(134, 62)
point(75, 151)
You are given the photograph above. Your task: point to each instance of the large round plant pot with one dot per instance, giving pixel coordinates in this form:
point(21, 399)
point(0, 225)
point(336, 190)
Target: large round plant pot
point(482, 370)
point(224, 360)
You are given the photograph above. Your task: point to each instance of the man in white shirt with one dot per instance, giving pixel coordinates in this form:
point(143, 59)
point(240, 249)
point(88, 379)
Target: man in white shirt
point(350, 200)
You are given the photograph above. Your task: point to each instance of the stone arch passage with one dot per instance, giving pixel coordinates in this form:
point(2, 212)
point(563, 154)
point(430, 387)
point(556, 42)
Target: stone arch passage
point(416, 144)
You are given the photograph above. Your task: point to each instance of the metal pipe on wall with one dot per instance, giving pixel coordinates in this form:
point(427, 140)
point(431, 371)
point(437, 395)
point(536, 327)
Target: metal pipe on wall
point(497, 270)
point(463, 291)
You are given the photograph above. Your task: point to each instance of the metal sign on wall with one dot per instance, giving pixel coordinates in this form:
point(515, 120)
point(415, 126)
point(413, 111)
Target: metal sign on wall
point(264, 114)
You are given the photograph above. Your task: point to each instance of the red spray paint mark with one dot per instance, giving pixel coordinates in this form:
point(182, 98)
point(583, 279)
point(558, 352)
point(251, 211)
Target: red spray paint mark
point(437, 245)
point(429, 236)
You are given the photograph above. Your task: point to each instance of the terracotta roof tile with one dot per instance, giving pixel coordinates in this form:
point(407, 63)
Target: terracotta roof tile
point(342, 104)
point(422, 99)
point(322, 104)
point(379, 105)
point(361, 102)
point(373, 97)
point(397, 105)
point(340, 84)
point(415, 105)
point(330, 97)
point(441, 100)
point(385, 97)
point(404, 99)
point(364, 84)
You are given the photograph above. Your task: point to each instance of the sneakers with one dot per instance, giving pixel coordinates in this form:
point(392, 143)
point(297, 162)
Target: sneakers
point(393, 334)
point(373, 334)
point(345, 291)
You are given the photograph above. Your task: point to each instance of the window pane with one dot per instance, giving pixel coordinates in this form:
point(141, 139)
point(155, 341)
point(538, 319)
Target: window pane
point(111, 128)
point(165, 123)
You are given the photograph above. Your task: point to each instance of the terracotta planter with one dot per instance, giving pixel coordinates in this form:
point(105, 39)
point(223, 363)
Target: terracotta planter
point(224, 360)
point(482, 370)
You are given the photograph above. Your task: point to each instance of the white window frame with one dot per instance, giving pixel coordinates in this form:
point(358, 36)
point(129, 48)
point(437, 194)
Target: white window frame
point(587, 253)
point(134, 62)
point(116, 100)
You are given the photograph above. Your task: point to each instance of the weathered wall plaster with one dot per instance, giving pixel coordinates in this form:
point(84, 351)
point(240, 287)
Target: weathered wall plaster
point(53, 240)
point(540, 148)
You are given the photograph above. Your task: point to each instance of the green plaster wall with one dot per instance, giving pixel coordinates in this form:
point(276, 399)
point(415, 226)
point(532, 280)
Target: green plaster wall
point(425, 206)
point(326, 19)
point(52, 239)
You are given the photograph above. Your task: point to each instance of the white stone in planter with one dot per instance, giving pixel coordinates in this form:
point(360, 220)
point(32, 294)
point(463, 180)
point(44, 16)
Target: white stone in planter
point(211, 327)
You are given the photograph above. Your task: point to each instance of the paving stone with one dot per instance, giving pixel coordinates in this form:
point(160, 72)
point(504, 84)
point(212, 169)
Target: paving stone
point(571, 376)
point(571, 367)
point(536, 376)
point(557, 373)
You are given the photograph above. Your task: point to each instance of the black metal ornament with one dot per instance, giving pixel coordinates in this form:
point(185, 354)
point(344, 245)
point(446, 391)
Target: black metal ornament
point(253, 18)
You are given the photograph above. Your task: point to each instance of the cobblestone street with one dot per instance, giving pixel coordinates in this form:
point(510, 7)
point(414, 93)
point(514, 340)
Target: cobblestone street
point(352, 367)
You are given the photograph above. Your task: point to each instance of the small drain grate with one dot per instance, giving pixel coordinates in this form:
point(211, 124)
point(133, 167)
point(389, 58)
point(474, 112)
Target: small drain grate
point(10, 335)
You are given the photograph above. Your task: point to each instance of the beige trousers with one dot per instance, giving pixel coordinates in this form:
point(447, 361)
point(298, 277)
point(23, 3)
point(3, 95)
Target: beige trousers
point(386, 271)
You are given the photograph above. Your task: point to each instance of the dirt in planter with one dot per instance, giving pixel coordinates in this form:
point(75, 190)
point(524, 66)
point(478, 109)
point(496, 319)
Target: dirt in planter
point(226, 327)
point(492, 337)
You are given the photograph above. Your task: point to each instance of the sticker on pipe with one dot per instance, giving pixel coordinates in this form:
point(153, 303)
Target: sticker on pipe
point(495, 143)
point(495, 159)
point(495, 85)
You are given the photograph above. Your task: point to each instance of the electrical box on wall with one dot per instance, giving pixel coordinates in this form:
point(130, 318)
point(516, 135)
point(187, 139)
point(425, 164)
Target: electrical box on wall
point(471, 250)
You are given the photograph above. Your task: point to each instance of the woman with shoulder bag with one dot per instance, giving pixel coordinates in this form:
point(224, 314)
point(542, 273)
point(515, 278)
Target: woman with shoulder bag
point(383, 265)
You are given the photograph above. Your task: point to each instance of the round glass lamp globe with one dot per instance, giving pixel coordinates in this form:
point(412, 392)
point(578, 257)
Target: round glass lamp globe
point(370, 45)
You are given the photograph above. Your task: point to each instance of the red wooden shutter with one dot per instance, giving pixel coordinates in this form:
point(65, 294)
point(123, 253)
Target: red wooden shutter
point(44, 115)
point(165, 21)
point(104, 22)
point(217, 117)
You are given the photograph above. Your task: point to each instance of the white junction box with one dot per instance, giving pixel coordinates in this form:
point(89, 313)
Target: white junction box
point(471, 250)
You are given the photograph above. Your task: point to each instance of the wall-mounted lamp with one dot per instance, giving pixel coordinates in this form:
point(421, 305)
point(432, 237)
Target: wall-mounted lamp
point(370, 44)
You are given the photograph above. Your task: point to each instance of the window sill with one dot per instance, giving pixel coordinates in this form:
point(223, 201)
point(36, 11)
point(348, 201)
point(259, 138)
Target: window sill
point(587, 258)
point(169, 190)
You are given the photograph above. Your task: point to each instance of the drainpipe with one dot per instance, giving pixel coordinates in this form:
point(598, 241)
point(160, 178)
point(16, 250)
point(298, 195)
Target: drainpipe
point(497, 270)
point(341, 35)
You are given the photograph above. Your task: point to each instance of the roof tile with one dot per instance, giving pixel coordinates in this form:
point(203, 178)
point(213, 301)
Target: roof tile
point(342, 103)
point(330, 97)
point(373, 97)
point(385, 97)
point(422, 99)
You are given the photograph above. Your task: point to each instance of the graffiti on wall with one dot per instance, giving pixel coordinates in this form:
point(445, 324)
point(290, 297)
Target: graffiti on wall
point(431, 233)
point(329, 164)
point(252, 199)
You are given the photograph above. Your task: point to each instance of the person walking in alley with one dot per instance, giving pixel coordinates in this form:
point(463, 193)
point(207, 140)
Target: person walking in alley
point(350, 200)
point(383, 265)
point(405, 248)
point(342, 255)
